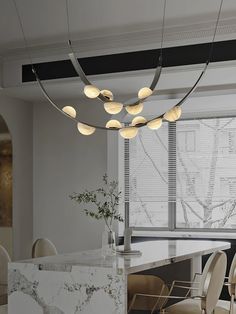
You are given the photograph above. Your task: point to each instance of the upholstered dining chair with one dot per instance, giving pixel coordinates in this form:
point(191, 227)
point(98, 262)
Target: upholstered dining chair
point(208, 292)
point(3, 309)
point(148, 284)
point(4, 260)
point(42, 248)
point(229, 307)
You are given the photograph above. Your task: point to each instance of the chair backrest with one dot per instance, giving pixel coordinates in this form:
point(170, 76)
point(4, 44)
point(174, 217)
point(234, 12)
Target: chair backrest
point(4, 260)
point(232, 277)
point(212, 281)
point(146, 284)
point(3, 309)
point(42, 248)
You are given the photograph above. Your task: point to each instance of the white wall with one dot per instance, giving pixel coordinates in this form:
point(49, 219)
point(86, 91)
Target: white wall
point(18, 116)
point(66, 162)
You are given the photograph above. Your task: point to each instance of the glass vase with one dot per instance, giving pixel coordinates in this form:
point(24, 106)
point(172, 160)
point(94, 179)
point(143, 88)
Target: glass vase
point(108, 243)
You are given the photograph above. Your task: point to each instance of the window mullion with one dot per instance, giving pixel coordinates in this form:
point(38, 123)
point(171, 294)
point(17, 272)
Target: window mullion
point(172, 175)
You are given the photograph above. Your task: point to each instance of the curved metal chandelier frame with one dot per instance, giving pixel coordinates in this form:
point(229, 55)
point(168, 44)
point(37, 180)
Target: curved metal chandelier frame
point(181, 102)
point(130, 102)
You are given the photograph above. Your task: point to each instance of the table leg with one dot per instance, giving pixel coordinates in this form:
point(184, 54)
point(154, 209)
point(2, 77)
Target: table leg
point(196, 266)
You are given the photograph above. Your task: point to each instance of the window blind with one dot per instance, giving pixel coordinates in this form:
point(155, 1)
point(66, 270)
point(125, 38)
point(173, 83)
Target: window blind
point(146, 178)
point(206, 173)
point(183, 176)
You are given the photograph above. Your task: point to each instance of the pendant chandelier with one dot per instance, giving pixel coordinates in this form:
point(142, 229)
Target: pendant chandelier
point(132, 106)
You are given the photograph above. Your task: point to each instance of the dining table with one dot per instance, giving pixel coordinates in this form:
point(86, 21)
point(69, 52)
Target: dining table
point(89, 283)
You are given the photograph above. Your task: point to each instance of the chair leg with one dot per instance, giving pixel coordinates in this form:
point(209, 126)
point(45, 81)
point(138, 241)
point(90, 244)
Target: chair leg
point(231, 311)
point(132, 303)
point(157, 302)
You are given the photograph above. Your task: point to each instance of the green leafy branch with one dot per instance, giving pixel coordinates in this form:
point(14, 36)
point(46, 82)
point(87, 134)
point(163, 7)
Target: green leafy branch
point(105, 199)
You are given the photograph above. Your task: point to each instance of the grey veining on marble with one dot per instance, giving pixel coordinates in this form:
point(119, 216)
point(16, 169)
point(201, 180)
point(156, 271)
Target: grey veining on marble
point(86, 283)
point(86, 290)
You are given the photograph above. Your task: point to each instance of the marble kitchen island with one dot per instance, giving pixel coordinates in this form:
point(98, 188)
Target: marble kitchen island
point(87, 283)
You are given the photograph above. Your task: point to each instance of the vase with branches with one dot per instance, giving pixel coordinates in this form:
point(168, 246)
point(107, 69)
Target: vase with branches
point(103, 205)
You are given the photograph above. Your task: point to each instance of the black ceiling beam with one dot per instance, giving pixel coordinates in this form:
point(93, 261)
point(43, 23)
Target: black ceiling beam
point(133, 61)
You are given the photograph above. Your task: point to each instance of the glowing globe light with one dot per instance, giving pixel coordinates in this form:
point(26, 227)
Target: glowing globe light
point(138, 120)
point(144, 92)
point(136, 109)
point(113, 124)
point(91, 91)
point(85, 129)
point(113, 107)
point(154, 124)
point(106, 93)
point(128, 132)
point(70, 111)
point(173, 114)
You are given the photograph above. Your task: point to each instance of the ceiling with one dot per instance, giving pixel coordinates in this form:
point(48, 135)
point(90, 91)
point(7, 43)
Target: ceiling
point(45, 20)
point(103, 23)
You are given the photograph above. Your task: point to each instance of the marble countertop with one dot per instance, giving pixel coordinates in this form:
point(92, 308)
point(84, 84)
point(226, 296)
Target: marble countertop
point(154, 254)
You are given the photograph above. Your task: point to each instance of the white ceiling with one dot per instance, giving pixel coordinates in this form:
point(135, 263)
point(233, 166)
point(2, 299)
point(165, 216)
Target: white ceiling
point(101, 25)
point(45, 20)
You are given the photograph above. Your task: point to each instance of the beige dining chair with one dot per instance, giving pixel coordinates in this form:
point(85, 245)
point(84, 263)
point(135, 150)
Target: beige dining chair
point(150, 285)
point(229, 307)
point(4, 260)
point(42, 248)
point(208, 292)
point(3, 309)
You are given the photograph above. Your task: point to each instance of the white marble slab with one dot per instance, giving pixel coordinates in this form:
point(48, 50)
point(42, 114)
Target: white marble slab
point(154, 254)
point(87, 283)
point(86, 290)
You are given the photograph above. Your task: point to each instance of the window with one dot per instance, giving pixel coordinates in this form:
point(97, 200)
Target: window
point(148, 178)
point(187, 141)
point(183, 176)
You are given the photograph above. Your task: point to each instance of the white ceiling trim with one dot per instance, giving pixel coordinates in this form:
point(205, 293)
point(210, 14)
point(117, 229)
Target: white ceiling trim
point(175, 81)
point(142, 37)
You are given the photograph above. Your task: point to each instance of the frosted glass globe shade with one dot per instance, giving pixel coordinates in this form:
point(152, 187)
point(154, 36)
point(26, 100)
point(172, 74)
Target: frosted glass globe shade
point(113, 107)
point(85, 129)
point(144, 92)
point(115, 124)
point(154, 124)
point(107, 93)
point(91, 91)
point(70, 111)
point(173, 114)
point(128, 132)
point(138, 120)
point(136, 109)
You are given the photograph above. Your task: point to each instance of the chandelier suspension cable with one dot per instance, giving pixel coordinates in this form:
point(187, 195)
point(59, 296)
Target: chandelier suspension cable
point(186, 96)
point(77, 65)
point(215, 32)
point(91, 127)
point(46, 95)
point(23, 32)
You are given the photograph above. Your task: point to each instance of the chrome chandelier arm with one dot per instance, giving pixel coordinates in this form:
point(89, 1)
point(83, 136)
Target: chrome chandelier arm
point(85, 80)
point(57, 106)
point(184, 99)
point(157, 74)
point(136, 101)
point(194, 86)
point(181, 102)
point(81, 73)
